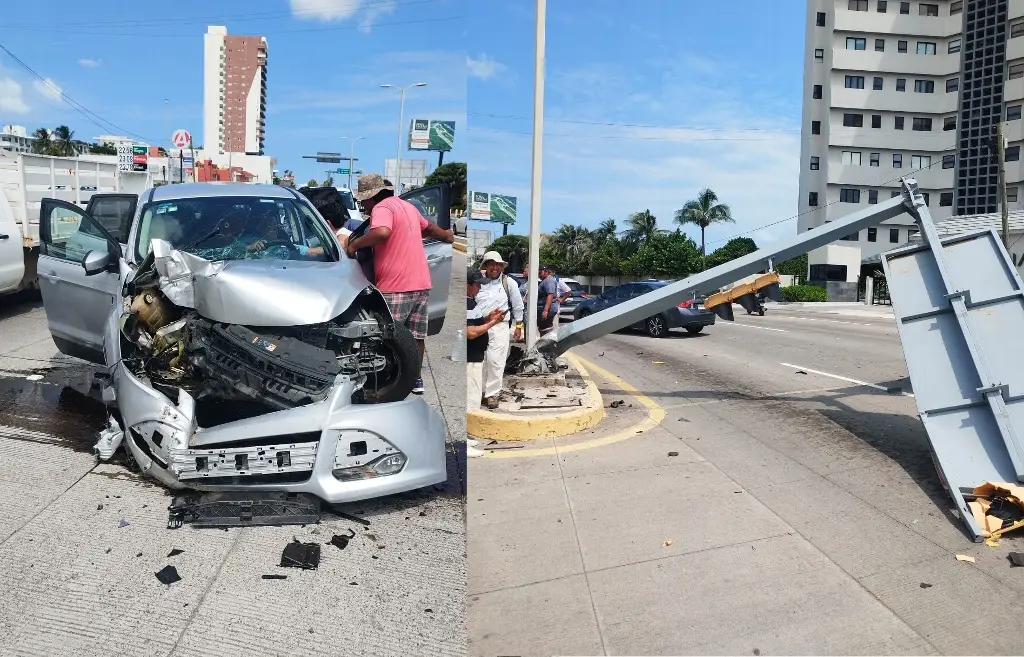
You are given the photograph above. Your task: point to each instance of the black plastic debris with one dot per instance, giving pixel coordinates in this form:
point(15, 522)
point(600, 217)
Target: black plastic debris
point(616, 403)
point(673, 453)
point(801, 372)
point(925, 585)
point(99, 507)
point(348, 516)
point(1005, 510)
point(894, 390)
point(123, 523)
point(301, 555)
point(1016, 558)
point(169, 575)
point(174, 552)
point(108, 550)
point(275, 577)
point(340, 541)
point(242, 509)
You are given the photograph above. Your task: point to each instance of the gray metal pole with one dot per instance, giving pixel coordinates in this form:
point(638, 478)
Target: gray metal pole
point(533, 278)
point(398, 153)
point(1001, 154)
point(351, 159)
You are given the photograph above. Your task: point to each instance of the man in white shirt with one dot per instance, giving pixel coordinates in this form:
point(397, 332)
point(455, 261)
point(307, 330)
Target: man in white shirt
point(501, 292)
point(563, 294)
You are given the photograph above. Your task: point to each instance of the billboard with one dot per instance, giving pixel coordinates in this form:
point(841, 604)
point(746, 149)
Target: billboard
point(492, 207)
point(429, 135)
point(414, 173)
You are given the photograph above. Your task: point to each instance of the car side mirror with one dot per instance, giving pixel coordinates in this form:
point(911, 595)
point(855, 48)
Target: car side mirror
point(96, 262)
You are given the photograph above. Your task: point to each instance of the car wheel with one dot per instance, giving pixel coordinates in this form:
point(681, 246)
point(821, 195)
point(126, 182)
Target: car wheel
point(694, 330)
point(585, 313)
point(396, 382)
point(656, 327)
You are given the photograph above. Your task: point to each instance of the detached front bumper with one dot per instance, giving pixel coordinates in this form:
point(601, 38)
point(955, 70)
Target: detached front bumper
point(334, 449)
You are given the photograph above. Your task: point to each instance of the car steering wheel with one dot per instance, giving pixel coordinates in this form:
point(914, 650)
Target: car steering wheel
point(293, 252)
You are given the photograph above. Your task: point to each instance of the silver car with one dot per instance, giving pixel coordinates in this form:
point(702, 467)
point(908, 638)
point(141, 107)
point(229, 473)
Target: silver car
point(243, 349)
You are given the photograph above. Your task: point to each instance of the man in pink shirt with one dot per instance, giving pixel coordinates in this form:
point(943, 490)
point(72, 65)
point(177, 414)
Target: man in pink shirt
point(400, 267)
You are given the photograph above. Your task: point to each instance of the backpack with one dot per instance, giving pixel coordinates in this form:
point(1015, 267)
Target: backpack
point(508, 295)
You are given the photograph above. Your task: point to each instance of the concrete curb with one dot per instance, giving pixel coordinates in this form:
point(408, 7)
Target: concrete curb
point(459, 247)
point(507, 427)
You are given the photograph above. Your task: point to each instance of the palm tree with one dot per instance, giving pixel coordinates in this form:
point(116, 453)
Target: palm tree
point(311, 183)
point(642, 226)
point(604, 232)
point(42, 143)
point(704, 211)
point(64, 141)
point(572, 241)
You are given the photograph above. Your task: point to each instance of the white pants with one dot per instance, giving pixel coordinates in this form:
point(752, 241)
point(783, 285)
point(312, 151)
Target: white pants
point(499, 337)
point(474, 385)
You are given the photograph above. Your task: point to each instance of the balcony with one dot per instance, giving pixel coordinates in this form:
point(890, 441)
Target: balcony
point(871, 61)
point(903, 102)
point(892, 22)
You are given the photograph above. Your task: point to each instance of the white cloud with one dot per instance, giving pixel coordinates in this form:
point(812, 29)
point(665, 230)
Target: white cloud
point(324, 10)
point(89, 63)
point(11, 98)
point(484, 67)
point(47, 88)
point(375, 11)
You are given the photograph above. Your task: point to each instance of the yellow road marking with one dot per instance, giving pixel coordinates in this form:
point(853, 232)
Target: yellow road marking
point(655, 414)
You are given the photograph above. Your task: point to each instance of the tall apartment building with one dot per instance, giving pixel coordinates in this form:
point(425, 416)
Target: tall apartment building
point(234, 92)
point(909, 88)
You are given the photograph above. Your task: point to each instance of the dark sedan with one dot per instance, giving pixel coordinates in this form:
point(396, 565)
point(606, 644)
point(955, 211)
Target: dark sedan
point(689, 315)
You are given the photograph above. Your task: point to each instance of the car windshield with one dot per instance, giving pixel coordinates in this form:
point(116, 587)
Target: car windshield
point(347, 198)
point(574, 286)
point(238, 228)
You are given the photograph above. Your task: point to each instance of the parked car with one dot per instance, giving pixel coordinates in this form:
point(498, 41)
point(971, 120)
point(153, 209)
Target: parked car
point(689, 315)
point(282, 371)
point(568, 306)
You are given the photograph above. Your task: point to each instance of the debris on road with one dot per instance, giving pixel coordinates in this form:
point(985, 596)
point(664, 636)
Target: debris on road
point(925, 585)
point(667, 543)
point(998, 508)
point(340, 541)
point(658, 362)
point(616, 403)
point(346, 516)
point(673, 453)
point(1016, 558)
point(276, 577)
point(174, 552)
point(300, 555)
point(991, 542)
point(800, 372)
point(99, 507)
point(964, 557)
point(168, 575)
point(245, 508)
point(123, 523)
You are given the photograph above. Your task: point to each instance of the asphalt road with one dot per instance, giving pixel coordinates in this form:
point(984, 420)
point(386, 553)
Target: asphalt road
point(797, 510)
point(74, 581)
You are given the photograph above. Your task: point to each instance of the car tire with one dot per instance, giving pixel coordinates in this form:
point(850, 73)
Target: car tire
point(694, 330)
point(656, 326)
point(585, 313)
point(404, 356)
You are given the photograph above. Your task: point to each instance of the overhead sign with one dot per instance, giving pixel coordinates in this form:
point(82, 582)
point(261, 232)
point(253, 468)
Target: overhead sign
point(428, 135)
point(331, 158)
point(492, 207)
point(181, 138)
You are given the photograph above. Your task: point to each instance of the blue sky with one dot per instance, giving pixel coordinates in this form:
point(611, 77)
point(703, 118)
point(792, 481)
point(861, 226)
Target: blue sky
point(327, 60)
point(732, 71)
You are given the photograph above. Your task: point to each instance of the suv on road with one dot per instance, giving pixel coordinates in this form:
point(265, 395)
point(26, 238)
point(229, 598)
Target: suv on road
point(689, 315)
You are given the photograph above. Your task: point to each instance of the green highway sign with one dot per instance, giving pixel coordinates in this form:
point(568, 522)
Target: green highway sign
point(343, 172)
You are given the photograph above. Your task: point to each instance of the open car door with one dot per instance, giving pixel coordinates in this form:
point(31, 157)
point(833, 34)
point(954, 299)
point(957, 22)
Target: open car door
point(79, 277)
point(434, 203)
point(114, 212)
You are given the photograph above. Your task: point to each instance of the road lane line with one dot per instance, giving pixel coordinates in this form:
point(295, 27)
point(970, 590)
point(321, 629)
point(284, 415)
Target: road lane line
point(843, 378)
point(763, 328)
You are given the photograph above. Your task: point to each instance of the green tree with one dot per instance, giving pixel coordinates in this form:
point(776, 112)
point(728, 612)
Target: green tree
point(453, 173)
point(63, 141)
point(42, 144)
point(664, 255)
point(735, 248)
point(607, 258)
point(106, 148)
point(640, 228)
point(513, 248)
point(794, 267)
point(704, 211)
point(329, 182)
point(311, 182)
point(573, 244)
point(607, 230)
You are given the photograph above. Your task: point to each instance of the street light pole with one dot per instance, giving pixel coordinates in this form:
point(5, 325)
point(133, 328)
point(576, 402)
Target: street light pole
point(351, 157)
point(401, 120)
point(533, 280)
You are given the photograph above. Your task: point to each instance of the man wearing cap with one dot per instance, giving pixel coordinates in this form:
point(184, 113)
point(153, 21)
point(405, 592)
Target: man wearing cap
point(547, 300)
point(479, 322)
point(400, 269)
point(500, 292)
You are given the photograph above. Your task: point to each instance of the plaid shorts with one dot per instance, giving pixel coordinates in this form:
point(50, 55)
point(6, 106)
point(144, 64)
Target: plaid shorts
point(410, 308)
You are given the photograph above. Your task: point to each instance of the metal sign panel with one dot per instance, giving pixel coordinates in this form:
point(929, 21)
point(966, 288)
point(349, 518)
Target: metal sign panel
point(960, 311)
point(429, 135)
point(492, 207)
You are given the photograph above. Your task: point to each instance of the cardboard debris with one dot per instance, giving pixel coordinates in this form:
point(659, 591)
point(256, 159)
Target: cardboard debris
point(964, 557)
point(990, 496)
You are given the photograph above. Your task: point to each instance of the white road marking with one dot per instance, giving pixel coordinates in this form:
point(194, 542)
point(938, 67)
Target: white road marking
point(843, 378)
point(764, 328)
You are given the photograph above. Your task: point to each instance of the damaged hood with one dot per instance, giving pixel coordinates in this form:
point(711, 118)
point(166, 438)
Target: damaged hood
point(258, 292)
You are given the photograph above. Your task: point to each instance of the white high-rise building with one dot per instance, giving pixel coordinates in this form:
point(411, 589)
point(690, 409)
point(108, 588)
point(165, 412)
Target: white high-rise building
point(234, 92)
point(915, 89)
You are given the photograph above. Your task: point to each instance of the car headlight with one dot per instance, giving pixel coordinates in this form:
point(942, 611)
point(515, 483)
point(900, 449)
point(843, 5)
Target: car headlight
point(388, 464)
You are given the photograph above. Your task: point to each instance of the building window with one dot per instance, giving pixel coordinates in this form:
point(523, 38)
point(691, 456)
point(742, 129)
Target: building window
point(880, 45)
point(850, 238)
point(873, 159)
point(872, 199)
point(954, 46)
point(1013, 153)
point(852, 158)
point(856, 43)
point(928, 10)
point(816, 92)
point(847, 195)
point(858, 5)
point(1013, 112)
point(904, 7)
point(815, 127)
point(821, 19)
point(901, 84)
point(949, 123)
point(945, 199)
point(854, 81)
point(926, 198)
point(925, 48)
point(876, 120)
point(882, 6)
point(956, 7)
point(819, 54)
point(920, 161)
point(898, 122)
point(897, 160)
point(922, 124)
point(894, 234)
point(876, 84)
point(952, 84)
point(901, 46)
point(814, 163)
point(873, 232)
point(1016, 30)
point(894, 193)
point(812, 198)
point(924, 86)
point(1011, 194)
point(948, 161)
point(1016, 71)
point(853, 120)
